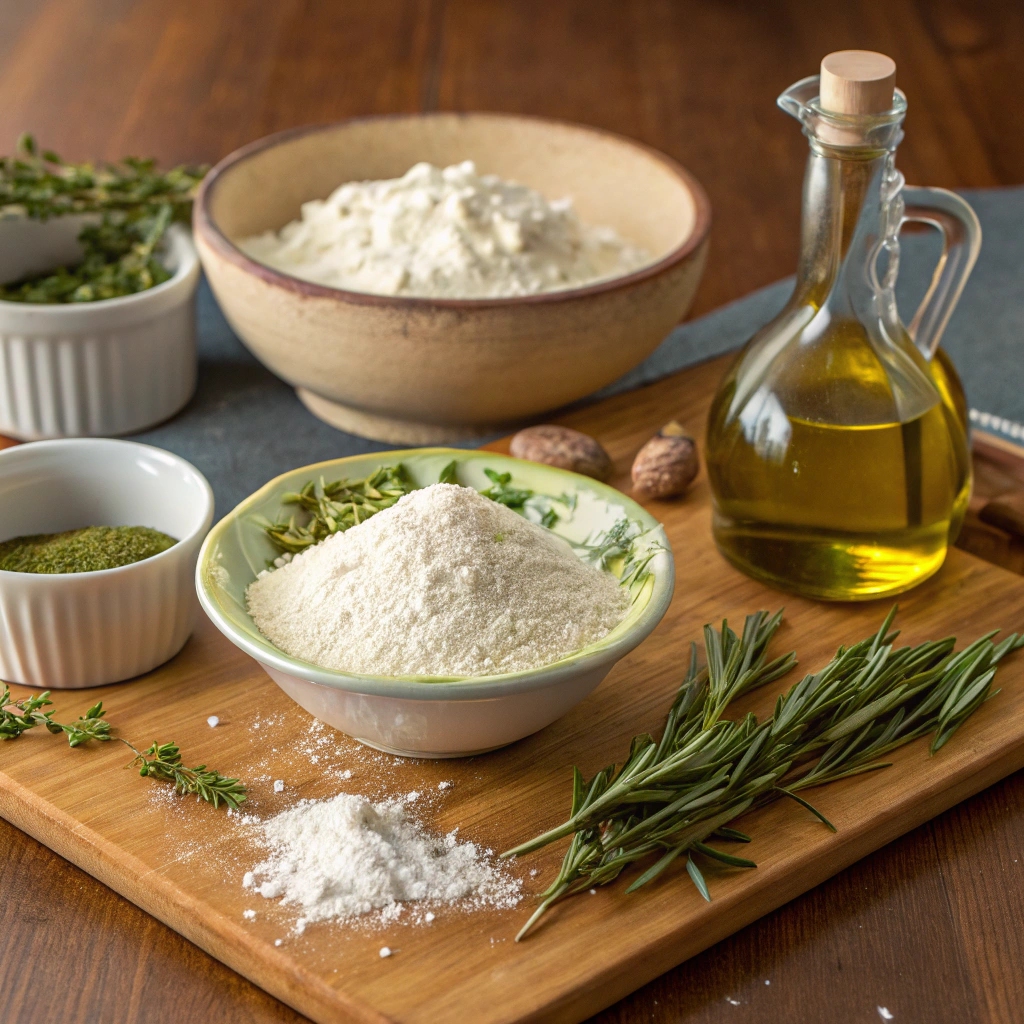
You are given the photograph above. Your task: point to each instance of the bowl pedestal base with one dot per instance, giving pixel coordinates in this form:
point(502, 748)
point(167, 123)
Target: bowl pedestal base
point(399, 431)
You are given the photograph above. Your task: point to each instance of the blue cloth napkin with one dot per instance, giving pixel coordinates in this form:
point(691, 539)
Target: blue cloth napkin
point(245, 426)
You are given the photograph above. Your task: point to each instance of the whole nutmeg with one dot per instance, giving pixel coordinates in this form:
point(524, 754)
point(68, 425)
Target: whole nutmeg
point(562, 447)
point(667, 464)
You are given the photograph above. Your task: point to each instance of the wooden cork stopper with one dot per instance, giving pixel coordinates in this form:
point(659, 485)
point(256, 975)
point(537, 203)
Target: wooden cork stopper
point(857, 82)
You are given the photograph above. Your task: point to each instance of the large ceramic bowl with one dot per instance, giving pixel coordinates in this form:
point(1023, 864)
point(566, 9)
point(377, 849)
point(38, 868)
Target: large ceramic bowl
point(418, 370)
point(78, 629)
point(432, 717)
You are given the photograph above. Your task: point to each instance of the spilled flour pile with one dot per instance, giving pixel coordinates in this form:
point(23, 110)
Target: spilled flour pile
point(446, 583)
point(346, 857)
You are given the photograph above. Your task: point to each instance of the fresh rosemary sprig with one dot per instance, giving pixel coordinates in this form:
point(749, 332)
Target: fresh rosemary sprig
point(672, 796)
point(137, 204)
point(163, 761)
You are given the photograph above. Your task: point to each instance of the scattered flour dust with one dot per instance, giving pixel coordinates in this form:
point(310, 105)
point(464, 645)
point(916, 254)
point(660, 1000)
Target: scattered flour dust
point(444, 583)
point(346, 857)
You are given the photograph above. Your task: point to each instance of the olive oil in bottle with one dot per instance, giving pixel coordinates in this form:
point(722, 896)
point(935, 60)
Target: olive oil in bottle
point(837, 444)
point(839, 511)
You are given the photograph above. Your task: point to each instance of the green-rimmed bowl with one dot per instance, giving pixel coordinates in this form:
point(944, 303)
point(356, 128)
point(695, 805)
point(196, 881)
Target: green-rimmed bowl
point(433, 717)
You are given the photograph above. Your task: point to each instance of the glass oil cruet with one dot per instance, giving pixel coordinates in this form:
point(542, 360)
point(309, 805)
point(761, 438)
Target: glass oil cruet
point(837, 445)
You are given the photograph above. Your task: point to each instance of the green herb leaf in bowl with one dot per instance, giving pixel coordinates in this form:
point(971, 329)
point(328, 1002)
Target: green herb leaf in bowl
point(120, 253)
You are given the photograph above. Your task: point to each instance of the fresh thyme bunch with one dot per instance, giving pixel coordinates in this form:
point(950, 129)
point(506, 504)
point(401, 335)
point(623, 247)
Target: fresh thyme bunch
point(673, 796)
point(137, 203)
point(161, 761)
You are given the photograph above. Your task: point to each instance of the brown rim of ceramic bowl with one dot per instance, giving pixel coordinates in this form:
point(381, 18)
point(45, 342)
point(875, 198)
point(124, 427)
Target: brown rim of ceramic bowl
point(206, 228)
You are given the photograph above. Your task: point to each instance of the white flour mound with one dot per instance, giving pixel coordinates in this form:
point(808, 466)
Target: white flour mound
point(444, 232)
point(345, 857)
point(444, 583)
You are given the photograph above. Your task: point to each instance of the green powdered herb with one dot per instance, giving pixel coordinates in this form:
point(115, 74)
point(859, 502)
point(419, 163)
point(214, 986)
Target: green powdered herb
point(85, 550)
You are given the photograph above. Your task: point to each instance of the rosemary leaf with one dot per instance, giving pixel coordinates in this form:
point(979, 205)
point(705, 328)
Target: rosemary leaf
point(698, 879)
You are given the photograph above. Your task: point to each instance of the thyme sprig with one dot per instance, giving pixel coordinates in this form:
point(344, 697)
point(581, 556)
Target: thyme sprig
point(39, 184)
point(537, 508)
point(18, 716)
point(90, 726)
point(502, 491)
point(161, 761)
point(672, 797)
point(618, 542)
point(119, 254)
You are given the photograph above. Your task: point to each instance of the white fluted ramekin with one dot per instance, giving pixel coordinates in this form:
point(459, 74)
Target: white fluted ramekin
point(70, 630)
point(93, 368)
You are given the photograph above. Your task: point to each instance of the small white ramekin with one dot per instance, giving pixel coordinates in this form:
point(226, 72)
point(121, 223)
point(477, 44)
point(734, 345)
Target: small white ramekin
point(71, 630)
point(93, 368)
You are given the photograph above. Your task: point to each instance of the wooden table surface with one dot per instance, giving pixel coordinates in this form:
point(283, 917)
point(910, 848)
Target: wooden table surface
point(929, 926)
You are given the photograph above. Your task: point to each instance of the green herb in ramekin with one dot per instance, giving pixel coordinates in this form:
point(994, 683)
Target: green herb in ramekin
point(88, 549)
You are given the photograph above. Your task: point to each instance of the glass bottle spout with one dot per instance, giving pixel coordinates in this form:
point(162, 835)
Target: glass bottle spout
point(879, 131)
point(867, 136)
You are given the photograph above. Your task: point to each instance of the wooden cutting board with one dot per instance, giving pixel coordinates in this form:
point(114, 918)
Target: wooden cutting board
point(183, 862)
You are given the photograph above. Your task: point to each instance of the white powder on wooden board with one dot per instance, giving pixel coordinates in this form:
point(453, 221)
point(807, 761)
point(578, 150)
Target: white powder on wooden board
point(447, 583)
point(347, 857)
point(444, 232)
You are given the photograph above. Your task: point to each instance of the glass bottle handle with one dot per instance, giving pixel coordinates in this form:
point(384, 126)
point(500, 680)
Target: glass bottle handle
point(961, 240)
